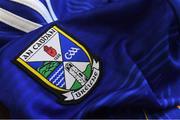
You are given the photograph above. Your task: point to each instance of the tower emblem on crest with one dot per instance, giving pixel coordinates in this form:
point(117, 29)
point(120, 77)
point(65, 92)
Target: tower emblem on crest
point(62, 64)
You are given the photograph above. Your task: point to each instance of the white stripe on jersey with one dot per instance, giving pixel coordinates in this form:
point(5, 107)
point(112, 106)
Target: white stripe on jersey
point(17, 21)
point(51, 10)
point(37, 6)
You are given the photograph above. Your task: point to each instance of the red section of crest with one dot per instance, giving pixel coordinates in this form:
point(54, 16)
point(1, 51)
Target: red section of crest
point(50, 51)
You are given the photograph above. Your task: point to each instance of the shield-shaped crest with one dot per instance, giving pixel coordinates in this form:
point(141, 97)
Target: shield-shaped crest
point(61, 63)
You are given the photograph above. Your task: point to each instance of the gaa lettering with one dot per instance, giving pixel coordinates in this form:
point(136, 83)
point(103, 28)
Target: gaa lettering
point(71, 53)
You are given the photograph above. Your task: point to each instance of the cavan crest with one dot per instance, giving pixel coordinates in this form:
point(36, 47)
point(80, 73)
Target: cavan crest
point(62, 64)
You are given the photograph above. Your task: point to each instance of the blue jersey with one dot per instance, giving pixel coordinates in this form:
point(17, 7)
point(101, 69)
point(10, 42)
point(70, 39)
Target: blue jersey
point(90, 59)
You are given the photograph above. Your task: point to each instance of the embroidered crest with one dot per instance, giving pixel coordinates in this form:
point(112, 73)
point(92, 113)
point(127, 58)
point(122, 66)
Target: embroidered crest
point(62, 64)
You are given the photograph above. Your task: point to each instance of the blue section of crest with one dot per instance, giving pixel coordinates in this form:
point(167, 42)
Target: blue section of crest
point(35, 65)
point(72, 52)
point(57, 77)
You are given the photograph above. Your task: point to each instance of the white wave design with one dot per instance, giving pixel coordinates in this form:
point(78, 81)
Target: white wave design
point(56, 73)
point(58, 77)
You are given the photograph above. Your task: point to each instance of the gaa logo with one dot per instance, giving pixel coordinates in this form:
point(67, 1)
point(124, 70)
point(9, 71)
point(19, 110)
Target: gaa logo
point(62, 64)
point(71, 53)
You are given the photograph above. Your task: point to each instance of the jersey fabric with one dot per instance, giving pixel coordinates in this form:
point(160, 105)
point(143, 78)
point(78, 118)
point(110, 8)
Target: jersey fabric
point(135, 41)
